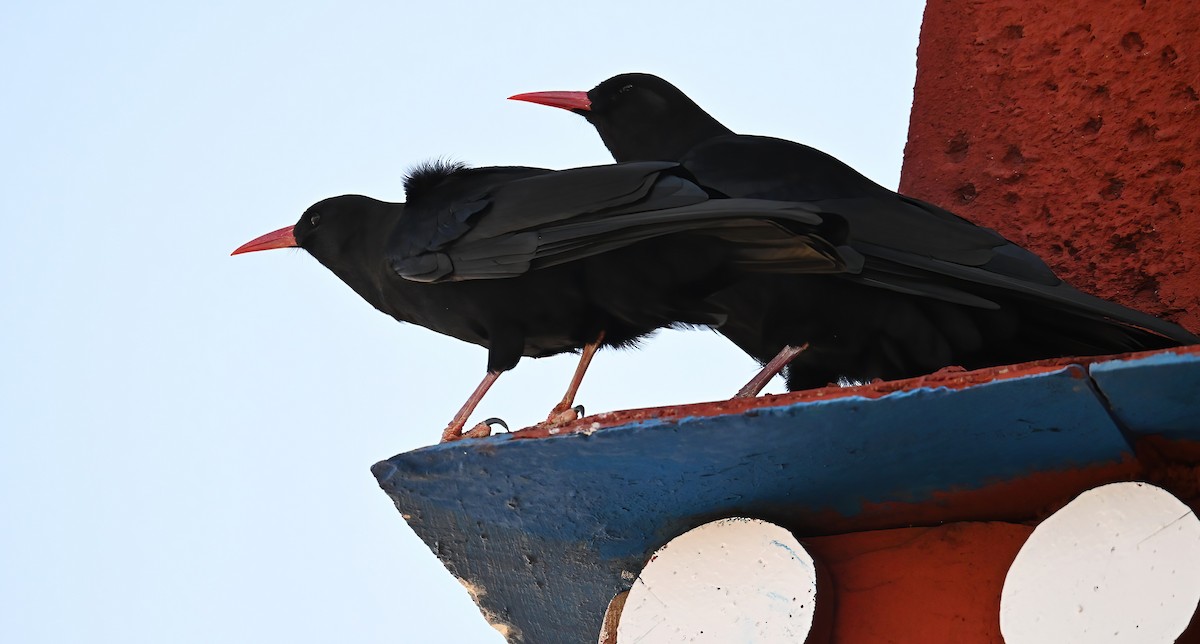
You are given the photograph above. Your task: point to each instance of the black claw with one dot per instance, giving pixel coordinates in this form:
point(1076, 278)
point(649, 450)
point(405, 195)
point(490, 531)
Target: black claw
point(497, 421)
point(579, 410)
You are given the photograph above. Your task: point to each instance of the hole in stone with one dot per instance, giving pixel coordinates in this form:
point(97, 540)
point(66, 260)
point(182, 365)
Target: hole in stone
point(957, 147)
point(1142, 132)
point(1168, 56)
point(1014, 31)
point(1093, 125)
point(1170, 166)
point(1113, 189)
point(966, 193)
point(1186, 92)
point(1147, 291)
point(1132, 41)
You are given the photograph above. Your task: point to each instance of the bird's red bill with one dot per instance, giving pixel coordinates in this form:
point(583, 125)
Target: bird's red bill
point(564, 100)
point(282, 238)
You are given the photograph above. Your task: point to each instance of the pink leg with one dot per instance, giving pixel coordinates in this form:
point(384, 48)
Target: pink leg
point(770, 370)
point(454, 431)
point(558, 414)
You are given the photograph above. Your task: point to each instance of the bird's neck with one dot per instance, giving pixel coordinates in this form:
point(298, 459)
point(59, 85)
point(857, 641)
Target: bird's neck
point(649, 140)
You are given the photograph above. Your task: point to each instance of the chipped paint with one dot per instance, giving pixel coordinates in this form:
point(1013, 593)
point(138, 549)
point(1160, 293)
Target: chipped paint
point(477, 593)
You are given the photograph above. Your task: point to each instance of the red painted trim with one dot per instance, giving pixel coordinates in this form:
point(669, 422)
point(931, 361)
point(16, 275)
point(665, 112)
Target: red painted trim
point(938, 584)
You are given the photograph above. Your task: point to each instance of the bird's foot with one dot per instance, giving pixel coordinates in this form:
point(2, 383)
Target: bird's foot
point(482, 430)
point(559, 419)
point(560, 416)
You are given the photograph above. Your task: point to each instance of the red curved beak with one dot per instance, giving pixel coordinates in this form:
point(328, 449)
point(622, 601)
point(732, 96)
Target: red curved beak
point(564, 100)
point(282, 238)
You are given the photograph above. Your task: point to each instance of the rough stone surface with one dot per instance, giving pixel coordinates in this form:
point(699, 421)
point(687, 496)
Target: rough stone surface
point(1074, 129)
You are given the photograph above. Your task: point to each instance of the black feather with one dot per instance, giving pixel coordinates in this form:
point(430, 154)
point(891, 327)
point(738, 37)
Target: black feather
point(428, 175)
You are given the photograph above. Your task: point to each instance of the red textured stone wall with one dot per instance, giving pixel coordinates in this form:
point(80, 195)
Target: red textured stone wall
point(1073, 128)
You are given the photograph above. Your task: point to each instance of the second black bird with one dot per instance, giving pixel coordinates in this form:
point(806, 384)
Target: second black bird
point(935, 290)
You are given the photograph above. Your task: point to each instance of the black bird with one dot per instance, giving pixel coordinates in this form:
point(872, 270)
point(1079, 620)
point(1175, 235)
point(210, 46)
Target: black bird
point(534, 262)
point(935, 290)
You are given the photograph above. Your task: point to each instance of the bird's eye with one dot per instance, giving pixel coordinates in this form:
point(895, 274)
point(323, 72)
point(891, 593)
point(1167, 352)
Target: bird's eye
point(625, 89)
point(315, 219)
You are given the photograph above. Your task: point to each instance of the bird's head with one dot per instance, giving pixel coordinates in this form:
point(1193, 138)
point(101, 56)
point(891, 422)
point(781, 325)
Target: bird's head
point(346, 234)
point(640, 117)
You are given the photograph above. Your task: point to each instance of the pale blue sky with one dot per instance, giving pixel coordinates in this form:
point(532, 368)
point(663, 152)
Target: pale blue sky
point(185, 437)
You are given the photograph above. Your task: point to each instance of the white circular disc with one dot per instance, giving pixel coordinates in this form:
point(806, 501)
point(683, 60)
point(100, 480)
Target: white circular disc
point(1120, 563)
point(733, 580)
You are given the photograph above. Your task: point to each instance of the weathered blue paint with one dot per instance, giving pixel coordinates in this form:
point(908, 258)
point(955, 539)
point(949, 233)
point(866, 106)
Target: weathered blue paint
point(550, 529)
point(1155, 394)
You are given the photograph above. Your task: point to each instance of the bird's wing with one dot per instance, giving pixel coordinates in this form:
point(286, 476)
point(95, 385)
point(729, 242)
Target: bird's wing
point(444, 201)
point(579, 194)
point(570, 215)
point(768, 168)
point(911, 246)
point(949, 280)
point(767, 235)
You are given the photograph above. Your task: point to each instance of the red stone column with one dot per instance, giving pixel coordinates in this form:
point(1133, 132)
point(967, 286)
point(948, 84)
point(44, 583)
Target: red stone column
point(1073, 128)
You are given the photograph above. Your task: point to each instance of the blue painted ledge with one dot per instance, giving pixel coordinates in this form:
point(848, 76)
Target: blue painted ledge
point(546, 531)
